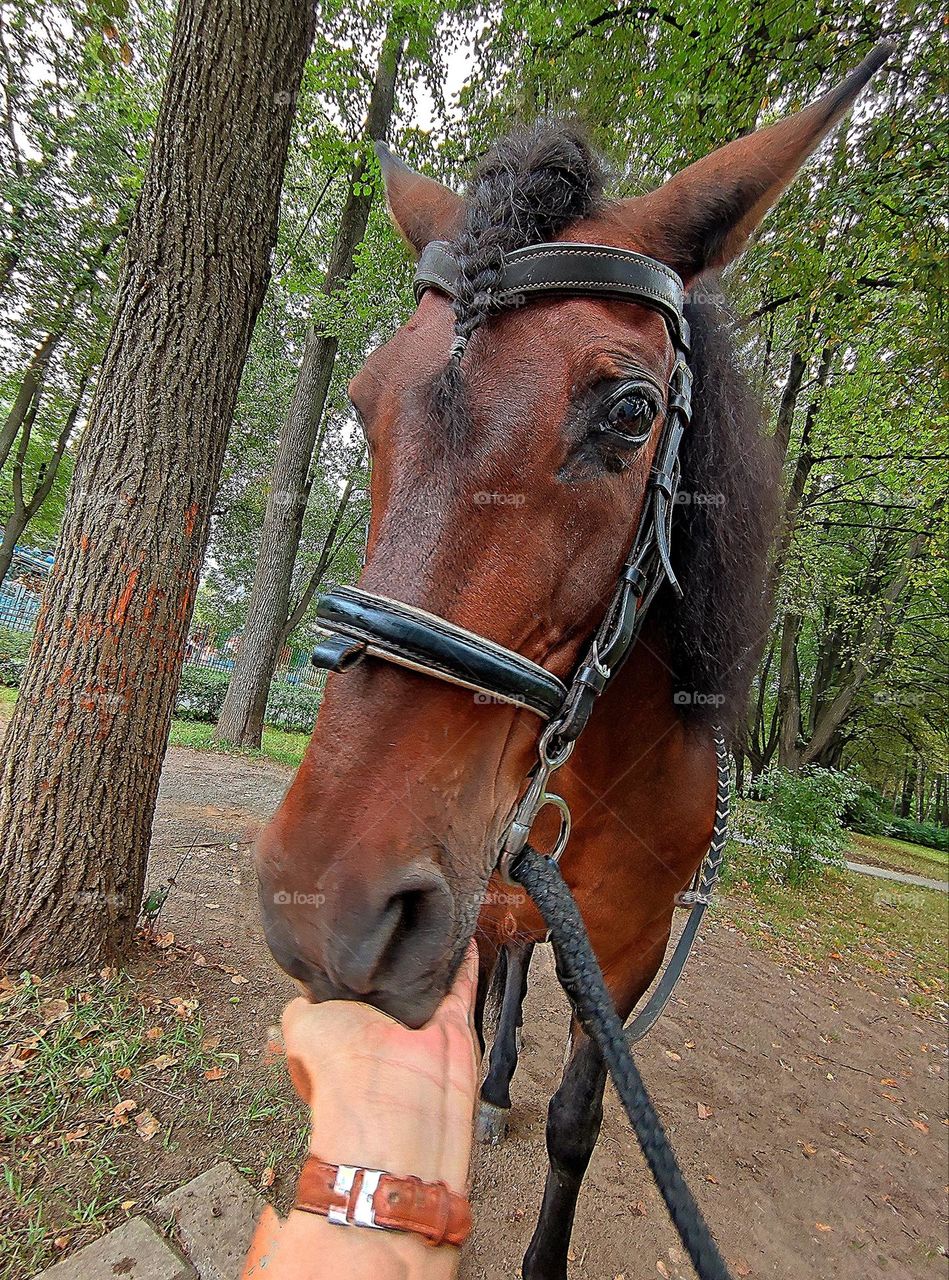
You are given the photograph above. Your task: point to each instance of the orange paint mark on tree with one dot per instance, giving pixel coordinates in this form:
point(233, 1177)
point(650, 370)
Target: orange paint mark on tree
point(150, 600)
point(184, 604)
point(122, 604)
point(84, 542)
point(191, 519)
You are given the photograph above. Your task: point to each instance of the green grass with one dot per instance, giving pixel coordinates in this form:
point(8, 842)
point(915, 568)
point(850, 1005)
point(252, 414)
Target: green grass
point(285, 748)
point(852, 920)
point(87, 1072)
point(900, 855)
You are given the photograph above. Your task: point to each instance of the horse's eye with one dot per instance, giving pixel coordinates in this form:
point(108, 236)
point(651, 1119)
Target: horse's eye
point(630, 415)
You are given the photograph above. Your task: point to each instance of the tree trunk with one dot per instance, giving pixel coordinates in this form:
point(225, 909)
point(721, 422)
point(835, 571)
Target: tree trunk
point(331, 545)
point(81, 760)
point(241, 720)
point(38, 367)
point(789, 695)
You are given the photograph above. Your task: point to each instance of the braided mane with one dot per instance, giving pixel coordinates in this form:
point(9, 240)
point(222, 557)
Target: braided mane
point(528, 187)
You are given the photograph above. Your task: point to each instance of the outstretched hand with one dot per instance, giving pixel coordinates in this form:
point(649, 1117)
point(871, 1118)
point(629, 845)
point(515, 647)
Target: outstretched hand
point(386, 1097)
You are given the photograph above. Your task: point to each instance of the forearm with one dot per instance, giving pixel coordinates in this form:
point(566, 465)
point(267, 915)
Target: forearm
point(308, 1247)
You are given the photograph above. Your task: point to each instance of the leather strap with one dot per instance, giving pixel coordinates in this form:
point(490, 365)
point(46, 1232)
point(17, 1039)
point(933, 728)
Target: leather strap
point(379, 627)
point(588, 269)
point(355, 1197)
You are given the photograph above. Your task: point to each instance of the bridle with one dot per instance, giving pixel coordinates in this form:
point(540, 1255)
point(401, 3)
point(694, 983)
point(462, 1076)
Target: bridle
point(364, 624)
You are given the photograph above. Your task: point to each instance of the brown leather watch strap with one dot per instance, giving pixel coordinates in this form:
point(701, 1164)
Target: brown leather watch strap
point(346, 1194)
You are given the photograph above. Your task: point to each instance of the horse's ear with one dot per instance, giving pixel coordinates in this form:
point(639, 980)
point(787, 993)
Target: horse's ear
point(702, 217)
point(421, 208)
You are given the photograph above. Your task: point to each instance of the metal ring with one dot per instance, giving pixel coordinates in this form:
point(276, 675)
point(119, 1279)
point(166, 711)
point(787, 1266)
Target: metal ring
point(566, 822)
point(558, 758)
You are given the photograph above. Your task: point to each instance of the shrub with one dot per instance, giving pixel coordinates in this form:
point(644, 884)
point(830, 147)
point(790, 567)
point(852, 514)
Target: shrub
point(292, 706)
point(927, 833)
point(201, 693)
point(796, 828)
point(201, 696)
point(14, 646)
point(868, 813)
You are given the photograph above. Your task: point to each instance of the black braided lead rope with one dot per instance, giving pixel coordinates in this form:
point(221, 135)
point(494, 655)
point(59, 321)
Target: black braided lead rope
point(581, 978)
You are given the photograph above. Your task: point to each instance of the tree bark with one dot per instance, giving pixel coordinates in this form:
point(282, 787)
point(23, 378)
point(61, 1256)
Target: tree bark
point(82, 756)
point(241, 720)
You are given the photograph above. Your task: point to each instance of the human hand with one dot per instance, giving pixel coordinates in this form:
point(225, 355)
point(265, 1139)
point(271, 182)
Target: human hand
point(386, 1097)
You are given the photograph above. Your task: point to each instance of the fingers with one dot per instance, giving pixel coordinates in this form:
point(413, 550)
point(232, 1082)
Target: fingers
point(294, 1019)
point(459, 1003)
point(294, 1031)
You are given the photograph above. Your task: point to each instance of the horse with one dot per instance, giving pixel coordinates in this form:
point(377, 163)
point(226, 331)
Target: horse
point(512, 453)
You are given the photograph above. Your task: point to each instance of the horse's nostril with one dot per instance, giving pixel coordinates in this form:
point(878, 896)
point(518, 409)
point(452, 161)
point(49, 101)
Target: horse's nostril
point(394, 935)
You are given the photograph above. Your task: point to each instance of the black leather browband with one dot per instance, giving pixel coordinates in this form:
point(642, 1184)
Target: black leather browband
point(367, 624)
point(587, 269)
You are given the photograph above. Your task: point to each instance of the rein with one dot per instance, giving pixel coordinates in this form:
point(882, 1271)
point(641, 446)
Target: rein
point(364, 624)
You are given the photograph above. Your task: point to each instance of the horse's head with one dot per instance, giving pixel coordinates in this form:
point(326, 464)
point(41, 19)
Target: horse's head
point(507, 483)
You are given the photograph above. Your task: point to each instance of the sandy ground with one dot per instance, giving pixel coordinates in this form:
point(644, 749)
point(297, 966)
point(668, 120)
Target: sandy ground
point(808, 1110)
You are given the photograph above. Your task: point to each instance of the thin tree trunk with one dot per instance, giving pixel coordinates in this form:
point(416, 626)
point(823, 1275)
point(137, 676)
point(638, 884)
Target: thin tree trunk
point(331, 544)
point(38, 367)
point(789, 695)
point(241, 720)
point(833, 714)
point(82, 756)
point(24, 509)
point(27, 392)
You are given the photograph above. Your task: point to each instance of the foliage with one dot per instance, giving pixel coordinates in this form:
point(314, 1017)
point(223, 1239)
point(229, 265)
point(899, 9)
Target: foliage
point(200, 693)
point(926, 833)
point(868, 813)
point(14, 647)
point(793, 827)
point(292, 707)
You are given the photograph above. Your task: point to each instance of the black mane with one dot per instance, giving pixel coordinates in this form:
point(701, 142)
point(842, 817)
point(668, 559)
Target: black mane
point(723, 527)
point(529, 187)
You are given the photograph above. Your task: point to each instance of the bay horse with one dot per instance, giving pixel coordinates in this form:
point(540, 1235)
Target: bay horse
point(506, 488)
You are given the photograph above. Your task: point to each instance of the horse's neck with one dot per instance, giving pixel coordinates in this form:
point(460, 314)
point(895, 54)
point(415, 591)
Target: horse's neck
point(640, 768)
point(638, 717)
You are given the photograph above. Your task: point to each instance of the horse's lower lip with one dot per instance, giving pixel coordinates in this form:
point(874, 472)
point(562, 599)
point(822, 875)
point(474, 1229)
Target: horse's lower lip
point(413, 1008)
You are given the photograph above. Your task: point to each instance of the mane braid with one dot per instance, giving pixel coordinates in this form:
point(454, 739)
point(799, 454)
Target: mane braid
point(723, 528)
point(528, 188)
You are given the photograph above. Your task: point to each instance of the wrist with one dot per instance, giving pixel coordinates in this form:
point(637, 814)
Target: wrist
point(392, 1145)
point(362, 1251)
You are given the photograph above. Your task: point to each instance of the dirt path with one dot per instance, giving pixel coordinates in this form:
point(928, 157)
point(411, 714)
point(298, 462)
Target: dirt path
point(808, 1111)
